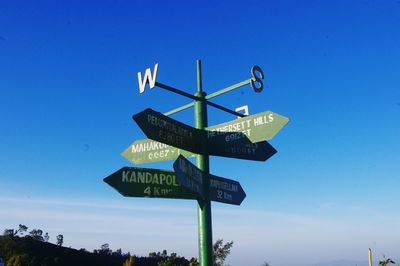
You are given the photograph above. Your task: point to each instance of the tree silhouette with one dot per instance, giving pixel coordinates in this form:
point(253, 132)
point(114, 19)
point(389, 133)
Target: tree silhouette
point(8, 232)
point(385, 261)
point(60, 240)
point(46, 237)
point(11, 232)
point(221, 251)
point(21, 229)
point(36, 234)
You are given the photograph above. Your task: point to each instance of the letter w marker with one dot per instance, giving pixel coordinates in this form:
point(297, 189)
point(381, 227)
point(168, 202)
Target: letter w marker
point(148, 78)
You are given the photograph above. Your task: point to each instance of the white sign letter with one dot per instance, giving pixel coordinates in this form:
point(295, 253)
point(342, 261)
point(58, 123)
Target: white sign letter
point(148, 78)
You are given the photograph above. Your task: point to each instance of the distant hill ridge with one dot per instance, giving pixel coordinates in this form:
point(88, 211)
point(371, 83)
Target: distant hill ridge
point(344, 263)
point(28, 251)
point(24, 251)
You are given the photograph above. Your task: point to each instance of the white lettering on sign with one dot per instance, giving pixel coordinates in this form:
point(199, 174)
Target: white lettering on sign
point(224, 185)
point(157, 191)
point(149, 178)
point(247, 149)
point(227, 196)
point(148, 78)
point(158, 154)
point(258, 121)
point(235, 136)
point(148, 146)
point(167, 126)
point(166, 191)
point(242, 126)
point(191, 171)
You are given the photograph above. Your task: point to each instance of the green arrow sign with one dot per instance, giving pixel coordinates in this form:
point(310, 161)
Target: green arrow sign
point(150, 151)
point(142, 182)
point(154, 183)
point(257, 127)
point(164, 129)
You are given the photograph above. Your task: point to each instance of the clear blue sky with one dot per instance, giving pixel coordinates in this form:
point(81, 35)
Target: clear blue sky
point(69, 87)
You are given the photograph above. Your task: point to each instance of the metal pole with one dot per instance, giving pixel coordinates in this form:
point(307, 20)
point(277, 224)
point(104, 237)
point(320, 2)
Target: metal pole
point(369, 257)
point(203, 163)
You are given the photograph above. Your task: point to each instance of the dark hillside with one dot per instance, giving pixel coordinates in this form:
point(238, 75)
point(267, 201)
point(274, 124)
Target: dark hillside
point(28, 251)
point(24, 251)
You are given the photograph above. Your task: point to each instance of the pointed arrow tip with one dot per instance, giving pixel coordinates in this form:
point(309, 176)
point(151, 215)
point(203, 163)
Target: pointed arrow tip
point(107, 180)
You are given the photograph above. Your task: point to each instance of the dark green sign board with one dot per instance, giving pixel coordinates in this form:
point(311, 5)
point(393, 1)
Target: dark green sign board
point(189, 176)
point(226, 191)
point(239, 147)
point(143, 182)
point(166, 130)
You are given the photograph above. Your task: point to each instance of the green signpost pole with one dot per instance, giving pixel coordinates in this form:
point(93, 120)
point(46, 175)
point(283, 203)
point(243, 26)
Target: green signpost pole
point(203, 163)
point(243, 138)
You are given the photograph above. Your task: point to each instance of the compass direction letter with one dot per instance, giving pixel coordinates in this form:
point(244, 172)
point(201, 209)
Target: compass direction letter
point(148, 78)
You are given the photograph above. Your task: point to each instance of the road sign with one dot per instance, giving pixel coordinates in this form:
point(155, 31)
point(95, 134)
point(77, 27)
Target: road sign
point(164, 129)
point(189, 176)
point(257, 127)
point(225, 190)
point(143, 182)
point(221, 189)
point(240, 147)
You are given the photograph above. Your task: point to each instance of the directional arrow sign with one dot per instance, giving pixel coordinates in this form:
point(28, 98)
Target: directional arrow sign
point(164, 129)
point(239, 146)
point(258, 127)
point(142, 182)
point(221, 189)
point(225, 190)
point(189, 176)
point(150, 151)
